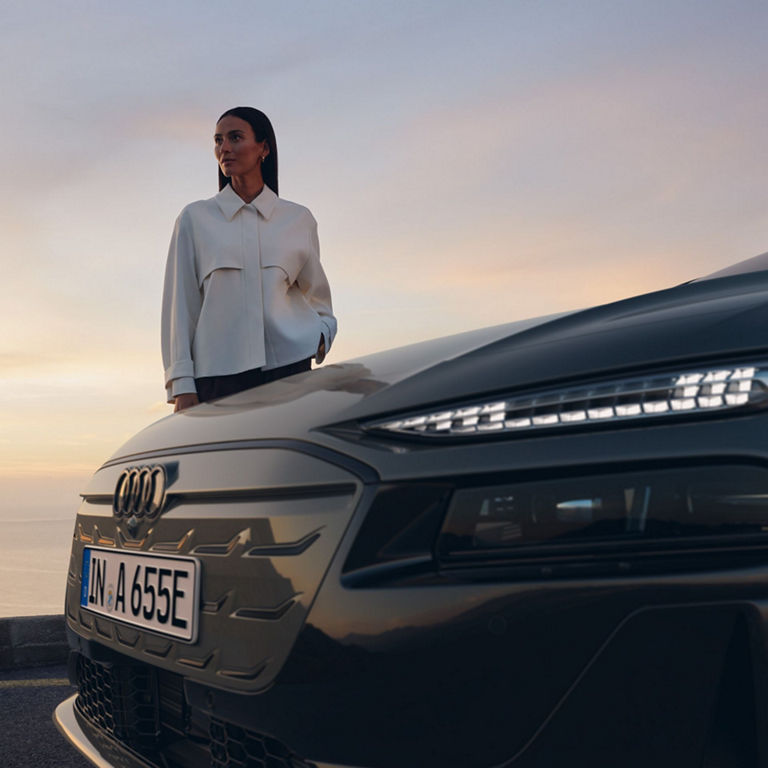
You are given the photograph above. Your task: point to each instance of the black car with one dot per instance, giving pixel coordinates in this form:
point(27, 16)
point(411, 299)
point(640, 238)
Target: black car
point(537, 545)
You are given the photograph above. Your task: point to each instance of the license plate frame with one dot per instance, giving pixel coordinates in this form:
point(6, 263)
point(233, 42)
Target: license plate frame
point(113, 581)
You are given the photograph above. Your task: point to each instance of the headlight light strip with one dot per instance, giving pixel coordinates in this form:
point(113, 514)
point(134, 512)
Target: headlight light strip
point(689, 392)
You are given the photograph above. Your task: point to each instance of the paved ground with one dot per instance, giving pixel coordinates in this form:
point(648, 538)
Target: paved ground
point(28, 737)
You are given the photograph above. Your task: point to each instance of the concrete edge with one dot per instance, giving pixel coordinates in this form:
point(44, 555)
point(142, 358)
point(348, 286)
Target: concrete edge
point(32, 641)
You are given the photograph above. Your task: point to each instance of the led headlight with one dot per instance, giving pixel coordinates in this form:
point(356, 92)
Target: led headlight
point(672, 394)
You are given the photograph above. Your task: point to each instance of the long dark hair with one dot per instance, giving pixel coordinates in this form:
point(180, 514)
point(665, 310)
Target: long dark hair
point(263, 131)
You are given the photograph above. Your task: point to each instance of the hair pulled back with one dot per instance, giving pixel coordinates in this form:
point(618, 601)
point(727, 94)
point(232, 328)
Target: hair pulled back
point(263, 131)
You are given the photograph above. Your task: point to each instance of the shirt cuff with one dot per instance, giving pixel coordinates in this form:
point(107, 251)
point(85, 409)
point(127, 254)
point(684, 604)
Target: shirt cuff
point(181, 386)
point(182, 369)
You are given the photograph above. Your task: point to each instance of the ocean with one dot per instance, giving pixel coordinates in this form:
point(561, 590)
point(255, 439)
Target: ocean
point(34, 558)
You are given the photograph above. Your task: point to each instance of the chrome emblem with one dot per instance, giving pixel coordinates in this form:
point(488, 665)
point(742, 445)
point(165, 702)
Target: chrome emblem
point(139, 493)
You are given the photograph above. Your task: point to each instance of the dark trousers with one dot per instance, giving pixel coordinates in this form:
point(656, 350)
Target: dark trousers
point(213, 387)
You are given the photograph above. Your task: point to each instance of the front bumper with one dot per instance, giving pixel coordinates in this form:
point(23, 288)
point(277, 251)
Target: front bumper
point(102, 751)
point(91, 742)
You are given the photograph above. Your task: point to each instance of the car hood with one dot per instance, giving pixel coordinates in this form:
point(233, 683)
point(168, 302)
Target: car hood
point(693, 322)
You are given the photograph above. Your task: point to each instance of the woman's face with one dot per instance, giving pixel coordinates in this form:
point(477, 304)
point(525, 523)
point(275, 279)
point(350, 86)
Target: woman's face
point(236, 148)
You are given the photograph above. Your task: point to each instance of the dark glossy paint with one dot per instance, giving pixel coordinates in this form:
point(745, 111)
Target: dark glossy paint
point(403, 662)
point(616, 672)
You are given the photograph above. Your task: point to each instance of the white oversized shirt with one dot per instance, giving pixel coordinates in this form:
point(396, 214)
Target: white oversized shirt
point(244, 289)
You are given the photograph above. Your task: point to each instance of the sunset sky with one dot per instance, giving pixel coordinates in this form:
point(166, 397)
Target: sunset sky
point(468, 164)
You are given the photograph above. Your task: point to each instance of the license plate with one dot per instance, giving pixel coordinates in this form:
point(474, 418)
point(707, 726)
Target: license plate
point(157, 593)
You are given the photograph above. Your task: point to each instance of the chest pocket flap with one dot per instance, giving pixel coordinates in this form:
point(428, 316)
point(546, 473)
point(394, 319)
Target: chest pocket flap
point(290, 261)
point(223, 257)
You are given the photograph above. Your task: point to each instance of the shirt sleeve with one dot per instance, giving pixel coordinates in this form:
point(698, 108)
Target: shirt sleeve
point(314, 285)
point(181, 307)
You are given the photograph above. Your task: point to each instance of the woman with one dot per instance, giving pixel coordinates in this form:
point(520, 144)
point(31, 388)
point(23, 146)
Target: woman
point(246, 300)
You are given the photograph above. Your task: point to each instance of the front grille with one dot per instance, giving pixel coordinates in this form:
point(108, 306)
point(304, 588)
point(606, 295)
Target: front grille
point(121, 700)
point(235, 746)
point(145, 710)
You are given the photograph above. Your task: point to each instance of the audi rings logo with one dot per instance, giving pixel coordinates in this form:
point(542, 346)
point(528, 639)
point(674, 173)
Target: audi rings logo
point(140, 492)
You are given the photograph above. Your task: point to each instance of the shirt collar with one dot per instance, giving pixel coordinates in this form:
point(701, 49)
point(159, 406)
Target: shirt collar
point(230, 202)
